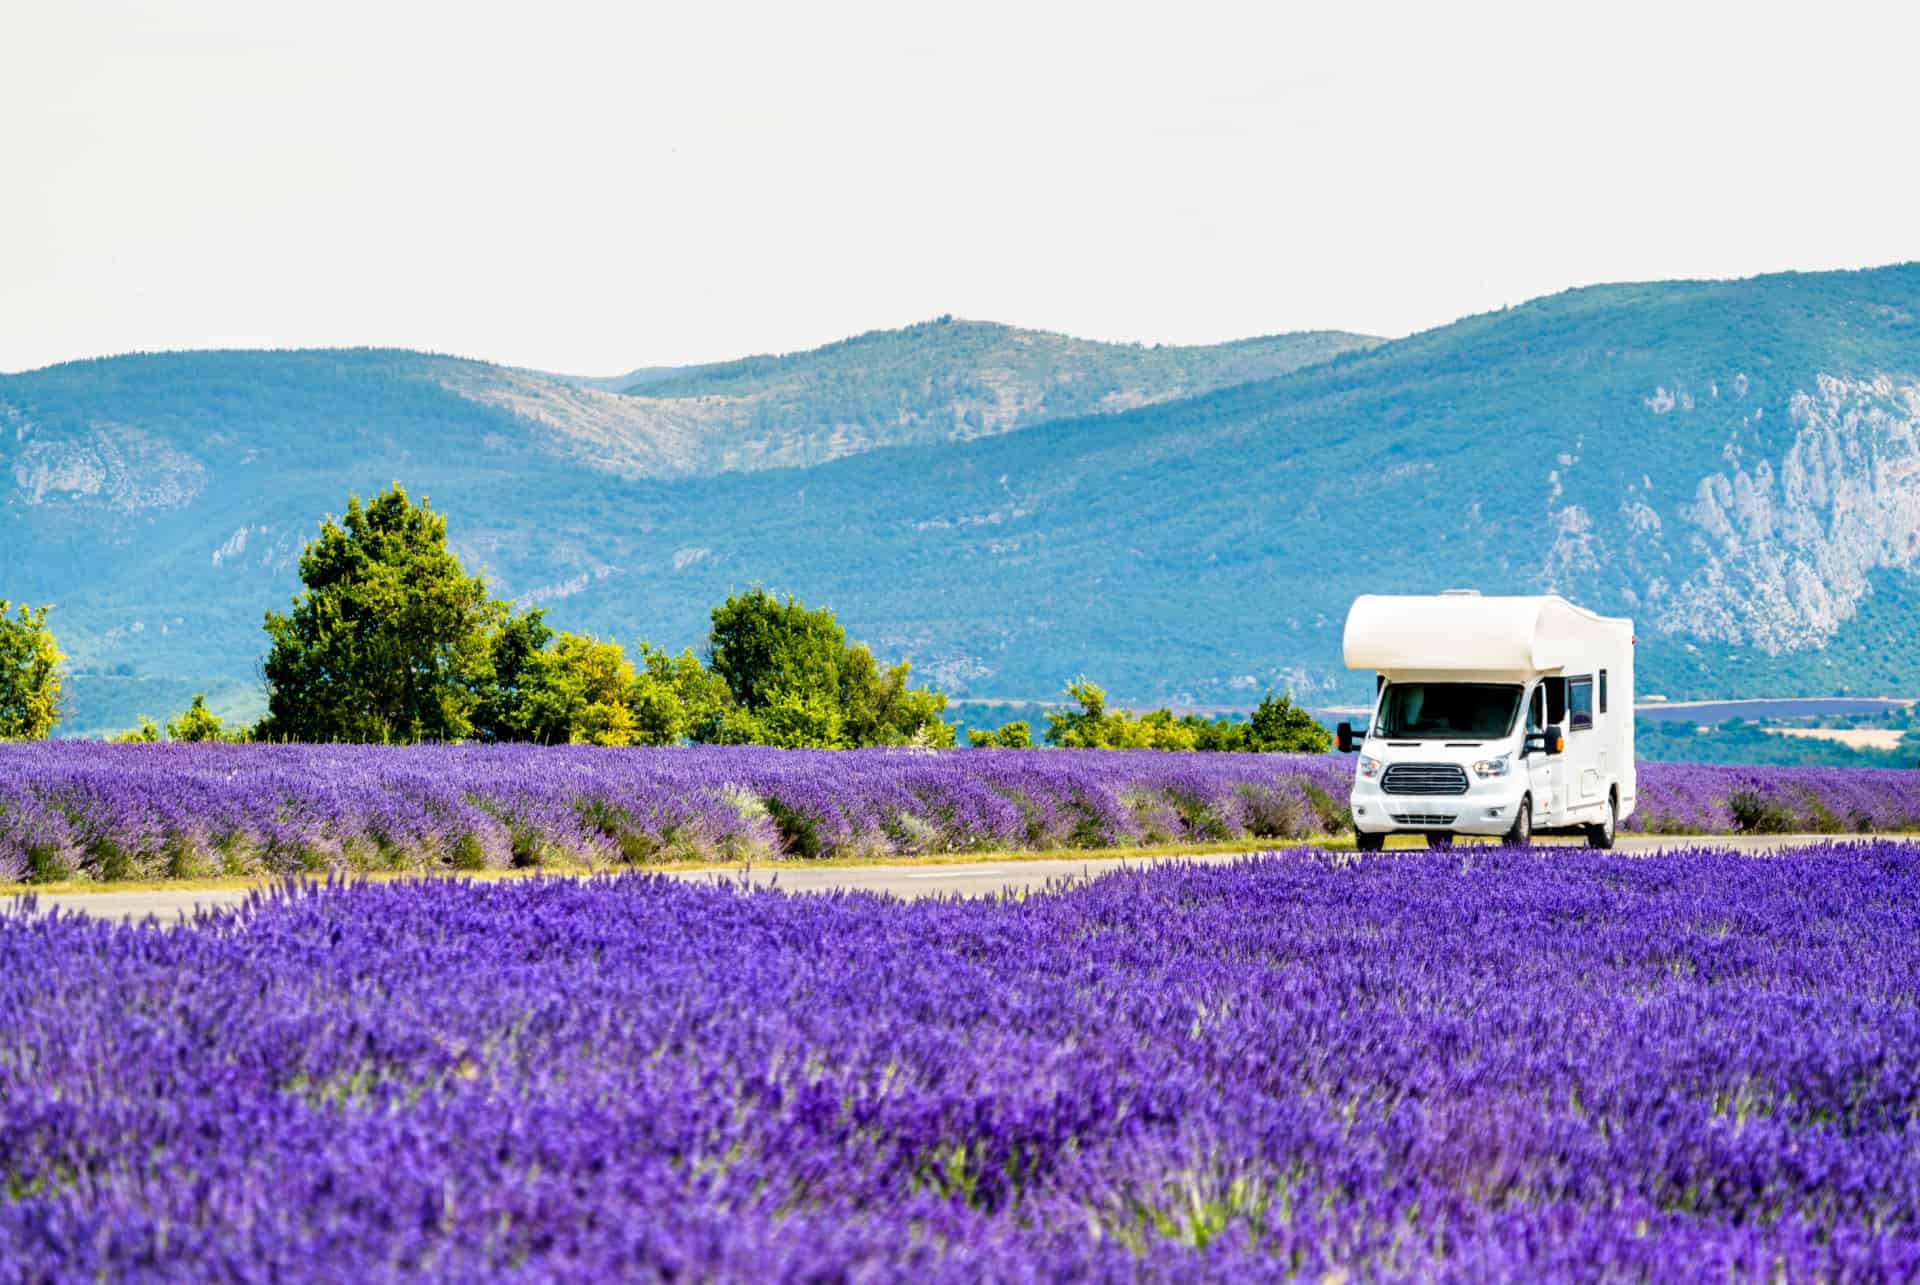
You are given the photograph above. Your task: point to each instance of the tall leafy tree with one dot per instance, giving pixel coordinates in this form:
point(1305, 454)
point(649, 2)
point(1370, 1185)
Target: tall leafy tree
point(1085, 728)
point(29, 674)
point(676, 698)
point(579, 690)
point(516, 660)
point(389, 641)
point(882, 708)
point(1280, 726)
point(796, 680)
point(769, 651)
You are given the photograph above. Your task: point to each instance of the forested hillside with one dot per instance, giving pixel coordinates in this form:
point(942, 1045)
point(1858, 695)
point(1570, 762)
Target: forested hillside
point(99, 425)
point(951, 380)
point(1736, 465)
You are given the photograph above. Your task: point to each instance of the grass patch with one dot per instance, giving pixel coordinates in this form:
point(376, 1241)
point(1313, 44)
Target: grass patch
point(992, 856)
point(1157, 851)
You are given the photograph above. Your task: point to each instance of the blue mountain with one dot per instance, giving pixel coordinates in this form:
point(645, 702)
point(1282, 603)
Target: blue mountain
point(1734, 464)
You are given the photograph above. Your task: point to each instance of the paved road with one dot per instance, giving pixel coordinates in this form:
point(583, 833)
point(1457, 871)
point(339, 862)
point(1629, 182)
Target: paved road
point(900, 880)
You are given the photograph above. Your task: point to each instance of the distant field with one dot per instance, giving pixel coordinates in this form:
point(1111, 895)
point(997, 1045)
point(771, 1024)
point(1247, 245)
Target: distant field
point(1767, 707)
point(1858, 738)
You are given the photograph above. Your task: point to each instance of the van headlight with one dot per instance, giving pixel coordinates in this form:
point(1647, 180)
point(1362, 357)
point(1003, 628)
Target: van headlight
point(1493, 767)
point(1369, 766)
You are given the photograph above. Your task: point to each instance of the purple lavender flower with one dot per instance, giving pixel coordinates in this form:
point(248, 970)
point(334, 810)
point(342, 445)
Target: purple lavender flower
point(1476, 1065)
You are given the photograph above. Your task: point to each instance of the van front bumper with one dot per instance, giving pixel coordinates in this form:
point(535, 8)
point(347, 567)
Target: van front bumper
point(1488, 807)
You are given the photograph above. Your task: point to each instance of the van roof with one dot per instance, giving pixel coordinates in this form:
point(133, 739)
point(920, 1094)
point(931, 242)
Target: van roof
point(1470, 633)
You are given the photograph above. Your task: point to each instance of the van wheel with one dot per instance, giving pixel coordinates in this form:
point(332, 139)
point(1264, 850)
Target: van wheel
point(1369, 842)
point(1522, 833)
point(1601, 836)
point(1439, 839)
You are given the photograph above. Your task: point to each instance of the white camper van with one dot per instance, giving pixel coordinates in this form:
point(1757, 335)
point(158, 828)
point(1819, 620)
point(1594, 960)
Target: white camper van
point(1497, 716)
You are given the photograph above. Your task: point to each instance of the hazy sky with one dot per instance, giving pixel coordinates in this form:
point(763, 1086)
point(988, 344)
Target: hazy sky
point(589, 188)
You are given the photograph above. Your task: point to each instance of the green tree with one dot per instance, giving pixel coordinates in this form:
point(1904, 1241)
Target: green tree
point(793, 718)
point(1085, 728)
point(389, 641)
point(577, 690)
point(1215, 735)
point(1277, 726)
point(555, 688)
point(197, 723)
point(882, 708)
point(1156, 730)
point(146, 733)
point(514, 648)
point(794, 679)
point(1280, 726)
point(29, 674)
point(604, 723)
point(1016, 735)
point(764, 649)
point(676, 698)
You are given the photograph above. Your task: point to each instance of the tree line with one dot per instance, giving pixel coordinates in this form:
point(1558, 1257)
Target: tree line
point(1277, 725)
point(392, 640)
point(29, 673)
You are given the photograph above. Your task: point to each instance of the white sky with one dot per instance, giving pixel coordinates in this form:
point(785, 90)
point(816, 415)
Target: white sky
point(592, 187)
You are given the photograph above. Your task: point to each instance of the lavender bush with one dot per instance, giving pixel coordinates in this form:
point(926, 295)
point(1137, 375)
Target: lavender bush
point(154, 811)
point(72, 809)
point(1482, 1065)
point(1712, 798)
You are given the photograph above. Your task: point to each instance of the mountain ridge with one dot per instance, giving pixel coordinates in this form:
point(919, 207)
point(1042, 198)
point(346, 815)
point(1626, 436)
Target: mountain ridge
point(1735, 464)
point(934, 381)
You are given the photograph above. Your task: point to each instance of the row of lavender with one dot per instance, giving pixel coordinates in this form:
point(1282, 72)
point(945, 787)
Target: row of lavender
point(1486, 1065)
point(177, 810)
point(121, 811)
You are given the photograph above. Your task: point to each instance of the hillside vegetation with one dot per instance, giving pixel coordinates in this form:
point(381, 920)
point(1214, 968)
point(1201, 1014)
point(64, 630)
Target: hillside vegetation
point(1734, 464)
point(953, 380)
point(942, 380)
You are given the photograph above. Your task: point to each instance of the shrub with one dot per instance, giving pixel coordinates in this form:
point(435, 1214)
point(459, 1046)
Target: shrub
point(1758, 813)
point(799, 833)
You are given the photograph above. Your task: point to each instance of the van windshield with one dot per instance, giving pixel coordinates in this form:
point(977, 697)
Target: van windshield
point(1447, 711)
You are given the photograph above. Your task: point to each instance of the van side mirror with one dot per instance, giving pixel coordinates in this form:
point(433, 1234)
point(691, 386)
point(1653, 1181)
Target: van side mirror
point(1548, 740)
point(1343, 737)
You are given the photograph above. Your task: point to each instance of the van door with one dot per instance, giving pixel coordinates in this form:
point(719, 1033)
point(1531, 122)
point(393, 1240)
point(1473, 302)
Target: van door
point(1584, 744)
point(1540, 766)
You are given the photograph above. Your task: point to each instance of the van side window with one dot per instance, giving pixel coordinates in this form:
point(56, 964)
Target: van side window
point(1536, 711)
point(1603, 691)
point(1556, 690)
point(1579, 704)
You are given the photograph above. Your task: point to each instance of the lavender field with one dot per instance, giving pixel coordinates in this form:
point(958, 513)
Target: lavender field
point(93, 811)
point(1487, 1064)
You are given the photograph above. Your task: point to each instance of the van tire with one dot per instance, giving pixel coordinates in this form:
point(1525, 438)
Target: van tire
point(1521, 835)
point(1601, 836)
point(1369, 842)
point(1439, 839)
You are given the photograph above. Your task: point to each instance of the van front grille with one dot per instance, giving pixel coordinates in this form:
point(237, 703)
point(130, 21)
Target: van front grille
point(1424, 778)
point(1422, 818)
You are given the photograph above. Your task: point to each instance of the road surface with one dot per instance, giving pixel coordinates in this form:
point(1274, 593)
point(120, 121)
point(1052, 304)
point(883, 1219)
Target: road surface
point(900, 880)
